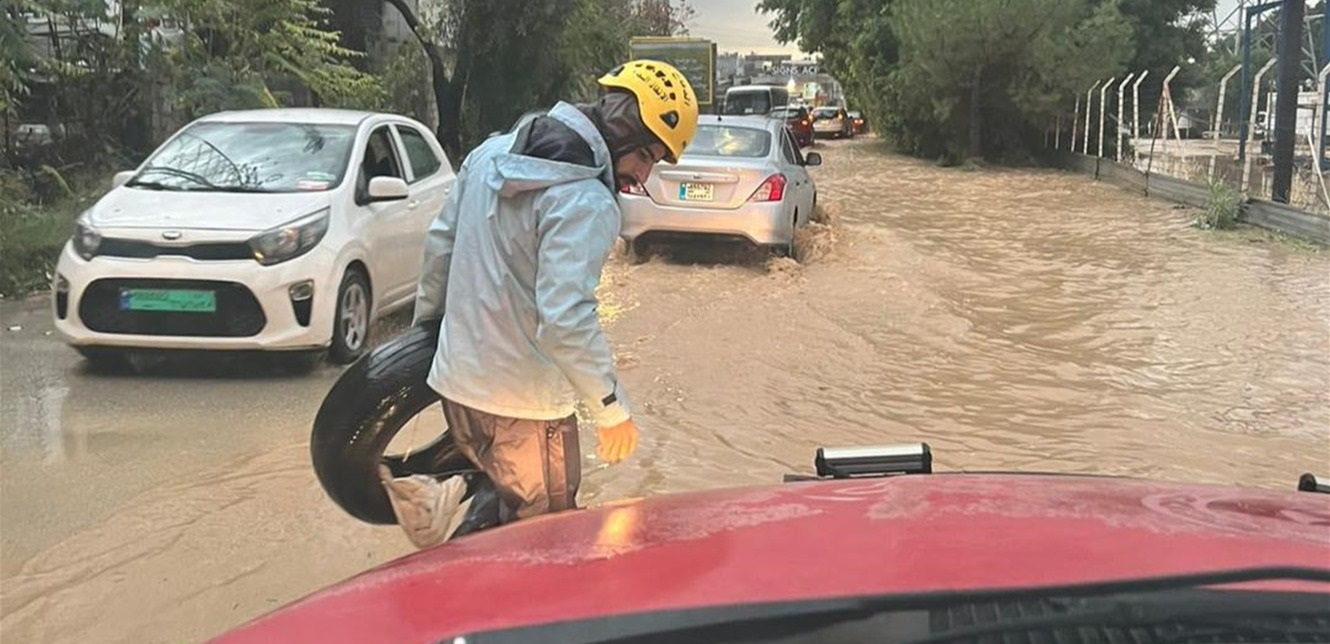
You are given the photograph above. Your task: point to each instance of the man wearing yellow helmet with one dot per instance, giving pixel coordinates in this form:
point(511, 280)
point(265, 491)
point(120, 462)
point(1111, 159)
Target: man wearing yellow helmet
point(510, 272)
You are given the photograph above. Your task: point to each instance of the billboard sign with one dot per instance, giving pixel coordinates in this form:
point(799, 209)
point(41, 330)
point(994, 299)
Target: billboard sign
point(695, 58)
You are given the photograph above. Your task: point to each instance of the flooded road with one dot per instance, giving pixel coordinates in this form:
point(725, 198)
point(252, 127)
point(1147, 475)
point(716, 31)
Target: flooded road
point(1013, 319)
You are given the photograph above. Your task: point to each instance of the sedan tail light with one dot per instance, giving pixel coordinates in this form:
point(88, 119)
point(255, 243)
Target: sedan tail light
point(634, 188)
point(773, 189)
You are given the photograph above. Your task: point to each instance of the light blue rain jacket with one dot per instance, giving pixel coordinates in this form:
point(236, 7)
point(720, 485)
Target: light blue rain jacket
point(511, 264)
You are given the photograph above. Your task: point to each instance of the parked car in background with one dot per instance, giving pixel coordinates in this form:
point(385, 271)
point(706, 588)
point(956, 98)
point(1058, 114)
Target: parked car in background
point(754, 100)
point(857, 123)
point(832, 121)
point(281, 230)
point(741, 178)
point(800, 121)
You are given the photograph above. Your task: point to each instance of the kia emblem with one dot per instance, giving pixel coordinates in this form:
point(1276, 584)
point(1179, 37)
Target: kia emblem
point(170, 235)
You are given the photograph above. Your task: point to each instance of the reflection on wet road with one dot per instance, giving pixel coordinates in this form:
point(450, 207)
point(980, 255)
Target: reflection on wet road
point(1013, 319)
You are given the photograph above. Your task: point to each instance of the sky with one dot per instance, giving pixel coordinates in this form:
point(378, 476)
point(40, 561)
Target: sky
point(735, 25)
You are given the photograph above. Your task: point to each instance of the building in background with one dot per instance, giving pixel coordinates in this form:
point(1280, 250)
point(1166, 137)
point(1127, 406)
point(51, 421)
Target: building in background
point(803, 78)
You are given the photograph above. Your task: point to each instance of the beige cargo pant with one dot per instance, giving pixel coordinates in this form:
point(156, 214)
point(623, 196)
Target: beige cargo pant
point(536, 465)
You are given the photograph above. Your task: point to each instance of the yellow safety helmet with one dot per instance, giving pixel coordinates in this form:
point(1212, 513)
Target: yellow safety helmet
point(665, 99)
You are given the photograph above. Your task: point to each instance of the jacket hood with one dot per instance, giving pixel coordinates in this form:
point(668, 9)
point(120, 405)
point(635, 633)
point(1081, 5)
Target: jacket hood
point(516, 173)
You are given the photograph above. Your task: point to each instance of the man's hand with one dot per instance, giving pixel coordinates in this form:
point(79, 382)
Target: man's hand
point(618, 442)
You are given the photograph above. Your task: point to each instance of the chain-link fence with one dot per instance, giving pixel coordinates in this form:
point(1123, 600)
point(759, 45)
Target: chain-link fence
point(1207, 160)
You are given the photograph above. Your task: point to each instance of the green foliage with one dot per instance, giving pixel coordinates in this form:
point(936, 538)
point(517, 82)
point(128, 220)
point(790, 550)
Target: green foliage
point(1222, 207)
point(237, 51)
point(406, 84)
point(17, 58)
point(956, 79)
point(31, 232)
point(985, 76)
point(595, 41)
point(491, 60)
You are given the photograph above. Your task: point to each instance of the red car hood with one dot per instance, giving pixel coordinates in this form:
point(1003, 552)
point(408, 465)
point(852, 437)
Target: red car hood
point(804, 541)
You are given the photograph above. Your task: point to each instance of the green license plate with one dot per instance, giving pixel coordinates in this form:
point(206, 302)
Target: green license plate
point(155, 299)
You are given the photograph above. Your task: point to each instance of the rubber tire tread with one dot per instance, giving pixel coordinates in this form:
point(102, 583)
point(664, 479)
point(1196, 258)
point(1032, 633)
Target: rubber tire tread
point(368, 405)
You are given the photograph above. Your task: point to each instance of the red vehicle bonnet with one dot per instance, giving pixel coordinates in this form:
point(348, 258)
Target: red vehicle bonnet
point(803, 541)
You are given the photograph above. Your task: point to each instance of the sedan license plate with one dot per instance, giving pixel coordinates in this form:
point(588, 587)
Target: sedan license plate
point(170, 300)
point(697, 192)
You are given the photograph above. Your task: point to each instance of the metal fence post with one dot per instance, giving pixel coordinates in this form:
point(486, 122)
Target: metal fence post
point(1136, 116)
point(1318, 117)
point(1089, 100)
point(1250, 130)
point(1075, 120)
point(1168, 96)
point(1103, 107)
point(1122, 128)
point(1219, 115)
point(1223, 89)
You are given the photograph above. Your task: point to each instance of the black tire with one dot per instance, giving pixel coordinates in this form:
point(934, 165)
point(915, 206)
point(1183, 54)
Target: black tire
point(637, 252)
point(298, 363)
point(791, 249)
point(371, 401)
point(350, 338)
point(105, 359)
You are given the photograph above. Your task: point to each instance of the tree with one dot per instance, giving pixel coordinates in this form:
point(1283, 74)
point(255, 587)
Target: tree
point(958, 78)
point(245, 48)
point(1003, 64)
point(491, 60)
point(17, 58)
point(447, 94)
point(662, 17)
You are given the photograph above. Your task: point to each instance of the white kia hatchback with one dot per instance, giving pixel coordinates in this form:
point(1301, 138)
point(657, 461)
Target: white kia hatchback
point(275, 230)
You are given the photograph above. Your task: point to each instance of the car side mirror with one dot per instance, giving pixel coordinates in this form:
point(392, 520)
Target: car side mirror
point(812, 158)
point(387, 189)
point(121, 178)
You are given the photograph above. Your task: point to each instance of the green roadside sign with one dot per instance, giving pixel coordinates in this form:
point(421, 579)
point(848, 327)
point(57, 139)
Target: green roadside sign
point(695, 58)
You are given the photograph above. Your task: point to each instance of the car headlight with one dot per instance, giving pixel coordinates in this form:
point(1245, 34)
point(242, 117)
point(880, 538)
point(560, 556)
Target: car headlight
point(291, 240)
point(86, 239)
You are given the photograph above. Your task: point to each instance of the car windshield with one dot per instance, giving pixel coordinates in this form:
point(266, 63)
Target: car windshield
point(730, 141)
point(739, 103)
point(825, 113)
point(1149, 610)
point(787, 112)
point(251, 157)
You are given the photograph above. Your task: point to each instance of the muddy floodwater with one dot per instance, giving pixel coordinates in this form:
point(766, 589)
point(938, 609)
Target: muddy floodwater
point(1013, 319)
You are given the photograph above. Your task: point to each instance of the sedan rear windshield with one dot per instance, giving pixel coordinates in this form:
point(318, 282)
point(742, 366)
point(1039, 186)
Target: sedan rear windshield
point(730, 141)
point(825, 113)
point(788, 112)
point(251, 157)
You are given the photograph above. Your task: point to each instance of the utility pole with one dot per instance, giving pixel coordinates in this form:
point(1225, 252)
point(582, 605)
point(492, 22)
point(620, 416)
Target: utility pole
point(1286, 97)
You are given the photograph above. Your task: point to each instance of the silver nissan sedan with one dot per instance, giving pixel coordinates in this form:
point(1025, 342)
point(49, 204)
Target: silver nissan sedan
point(742, 177)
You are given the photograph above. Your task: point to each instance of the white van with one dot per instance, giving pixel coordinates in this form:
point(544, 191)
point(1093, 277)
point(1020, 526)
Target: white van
point(755, 99)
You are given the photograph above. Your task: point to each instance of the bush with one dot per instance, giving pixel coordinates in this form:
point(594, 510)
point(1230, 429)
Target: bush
point(1222, 208)
point(31, 232)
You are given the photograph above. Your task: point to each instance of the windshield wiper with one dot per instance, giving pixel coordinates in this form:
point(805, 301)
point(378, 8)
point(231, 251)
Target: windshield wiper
point(227, 188)
point(183, 174)
point(150, 185)
point(1165, 620)
point(1132, 604)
